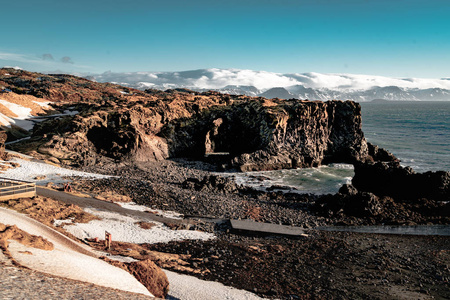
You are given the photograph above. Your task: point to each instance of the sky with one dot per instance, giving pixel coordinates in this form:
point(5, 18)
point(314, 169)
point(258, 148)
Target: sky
point(397, 38)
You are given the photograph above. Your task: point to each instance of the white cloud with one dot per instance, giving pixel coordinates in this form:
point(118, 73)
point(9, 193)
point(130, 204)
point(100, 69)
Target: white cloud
point(16, 57)
point(219, 78)
point(41, 63)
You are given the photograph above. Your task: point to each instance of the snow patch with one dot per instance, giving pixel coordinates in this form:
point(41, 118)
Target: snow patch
point(63, 260)
point(126, 229)
point(28, 170)
point(190, 288)
point(21, 111)
point(167, 214)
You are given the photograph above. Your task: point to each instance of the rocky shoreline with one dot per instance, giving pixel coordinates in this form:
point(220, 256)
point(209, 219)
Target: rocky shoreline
point(190, 188)
point(158, 144)
point(329, 265)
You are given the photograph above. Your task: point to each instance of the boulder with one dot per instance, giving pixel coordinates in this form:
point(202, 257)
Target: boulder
point(151, 276)
point(391, 179)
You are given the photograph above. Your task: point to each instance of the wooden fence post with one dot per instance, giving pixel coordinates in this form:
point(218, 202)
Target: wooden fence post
point(108, 239)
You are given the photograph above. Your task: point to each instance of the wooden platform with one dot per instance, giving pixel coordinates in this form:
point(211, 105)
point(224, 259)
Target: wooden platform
point(267, 228)
point(15, 189)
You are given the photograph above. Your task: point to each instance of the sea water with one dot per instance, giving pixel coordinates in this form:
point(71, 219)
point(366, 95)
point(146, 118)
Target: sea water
point(320, 180)
point(418, 133)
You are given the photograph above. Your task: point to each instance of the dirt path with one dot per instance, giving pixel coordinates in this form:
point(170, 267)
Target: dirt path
point(103, 205)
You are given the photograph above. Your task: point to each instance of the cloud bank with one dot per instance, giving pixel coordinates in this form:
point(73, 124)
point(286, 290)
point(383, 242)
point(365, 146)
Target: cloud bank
point(262, 80)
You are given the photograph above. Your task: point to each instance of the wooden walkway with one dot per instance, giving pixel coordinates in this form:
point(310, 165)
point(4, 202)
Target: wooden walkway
point(14, 189)
point(252, 227)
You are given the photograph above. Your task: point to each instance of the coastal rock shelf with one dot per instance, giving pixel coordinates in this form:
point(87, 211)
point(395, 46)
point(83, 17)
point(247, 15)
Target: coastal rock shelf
point(255, 133)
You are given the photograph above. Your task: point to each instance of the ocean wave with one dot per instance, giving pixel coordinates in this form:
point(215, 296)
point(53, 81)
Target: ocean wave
point(321, 180)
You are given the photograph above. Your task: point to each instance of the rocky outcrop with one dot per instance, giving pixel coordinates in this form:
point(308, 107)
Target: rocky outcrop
point(212, 183)
point(306, 134)
point(115, 130)
point(3, 137)
point(352, 207)
point(247, 133)
point(385, 192)
point(267, 135)
point(391, 179)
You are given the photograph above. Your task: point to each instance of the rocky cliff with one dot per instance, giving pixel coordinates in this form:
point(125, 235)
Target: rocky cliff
point(262, 135)
point(248, 133)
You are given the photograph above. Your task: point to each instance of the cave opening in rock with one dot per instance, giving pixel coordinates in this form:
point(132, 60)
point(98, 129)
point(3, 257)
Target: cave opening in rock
point(232, 137)
point(101, 138)
point(108, 142)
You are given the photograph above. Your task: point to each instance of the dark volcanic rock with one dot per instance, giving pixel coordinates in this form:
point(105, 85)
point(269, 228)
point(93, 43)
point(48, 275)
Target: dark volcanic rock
point(211, 183)
point(306, 134)
point(263, 135)
point(391, 179)
point(380, 154)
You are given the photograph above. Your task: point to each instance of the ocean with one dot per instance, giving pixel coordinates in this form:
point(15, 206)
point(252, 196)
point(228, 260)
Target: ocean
point(418, 133)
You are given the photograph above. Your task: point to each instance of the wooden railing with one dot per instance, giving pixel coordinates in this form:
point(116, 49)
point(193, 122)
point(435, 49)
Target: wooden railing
point(13, 189)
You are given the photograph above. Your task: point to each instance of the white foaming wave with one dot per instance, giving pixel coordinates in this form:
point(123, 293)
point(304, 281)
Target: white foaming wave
point(321, 180)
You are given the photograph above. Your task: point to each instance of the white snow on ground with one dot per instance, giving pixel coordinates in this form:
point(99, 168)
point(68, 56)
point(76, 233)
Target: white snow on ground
point(23, 115)
point(44, 105)
point(125, 229)
point(22, 112)
point(167, 214)
point(63, 260)
point(4, 120)
point(28, 170)
point(7, 121)
point(190, 288)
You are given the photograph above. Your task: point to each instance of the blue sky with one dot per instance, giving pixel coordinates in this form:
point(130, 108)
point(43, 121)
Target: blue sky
point(400, 38)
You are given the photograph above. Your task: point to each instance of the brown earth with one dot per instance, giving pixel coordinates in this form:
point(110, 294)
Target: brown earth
point(175, 262)
point(151, 276)
point(145, 225)
point(46, 210)
point(145, 271)
point(25, 101)
point(8, 232)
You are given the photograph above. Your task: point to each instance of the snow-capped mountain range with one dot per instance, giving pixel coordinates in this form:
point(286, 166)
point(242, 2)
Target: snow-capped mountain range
point(312, 86)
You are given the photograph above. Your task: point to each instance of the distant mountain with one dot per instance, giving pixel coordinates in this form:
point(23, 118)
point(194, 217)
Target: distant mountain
point(277, 92)
point(312, 86)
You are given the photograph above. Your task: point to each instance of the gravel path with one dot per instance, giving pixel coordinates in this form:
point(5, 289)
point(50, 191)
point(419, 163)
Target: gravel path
point(102, 205)
point(19, 283)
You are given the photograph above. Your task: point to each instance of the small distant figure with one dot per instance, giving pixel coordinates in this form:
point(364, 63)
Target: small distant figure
point(67, 188)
